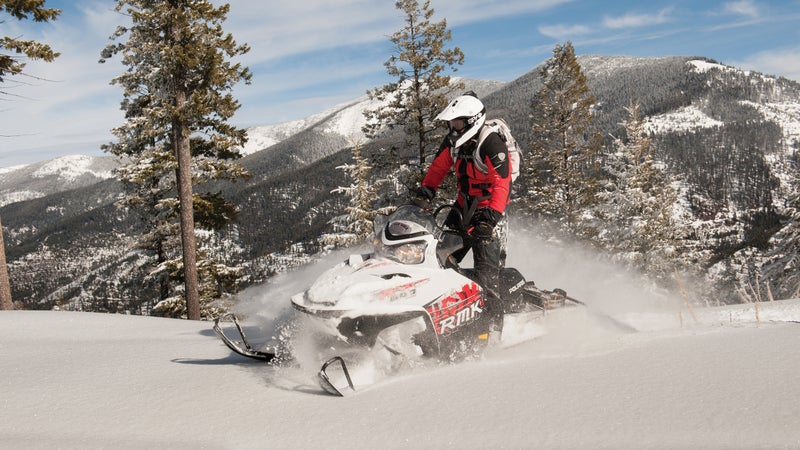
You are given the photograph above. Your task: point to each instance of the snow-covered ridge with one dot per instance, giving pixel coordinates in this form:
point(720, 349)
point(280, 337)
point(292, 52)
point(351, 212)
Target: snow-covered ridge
point(71, 168)
point(603, 65)
point(704, 66)
point(31, 181)
point(261, 137)
point(692, 117)
point(345, 119)
point(5, 170)
point(683, 119)
point(701, 66)
point(349, 121)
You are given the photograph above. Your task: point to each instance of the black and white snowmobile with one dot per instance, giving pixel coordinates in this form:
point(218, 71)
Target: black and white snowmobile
point(407, 299)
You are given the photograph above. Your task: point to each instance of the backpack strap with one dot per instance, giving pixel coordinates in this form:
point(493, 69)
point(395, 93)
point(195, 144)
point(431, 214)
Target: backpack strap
point(486, 130)
point(476, 154)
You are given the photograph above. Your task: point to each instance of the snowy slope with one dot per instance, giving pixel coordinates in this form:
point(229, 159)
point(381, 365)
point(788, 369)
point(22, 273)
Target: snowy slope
point(686, 118)
point(721, 377)
point(40, 179)
point(345, 120)
point(83, 380)
point(785, 112)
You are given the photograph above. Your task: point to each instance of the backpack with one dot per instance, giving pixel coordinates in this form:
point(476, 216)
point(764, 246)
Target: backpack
point(500, 127)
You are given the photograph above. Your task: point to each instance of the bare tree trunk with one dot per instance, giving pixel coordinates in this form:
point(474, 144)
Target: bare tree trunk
point(184, 174)
point(5, 285)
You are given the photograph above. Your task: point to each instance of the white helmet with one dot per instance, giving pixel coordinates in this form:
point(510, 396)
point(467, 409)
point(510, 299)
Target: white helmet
point(471, 110)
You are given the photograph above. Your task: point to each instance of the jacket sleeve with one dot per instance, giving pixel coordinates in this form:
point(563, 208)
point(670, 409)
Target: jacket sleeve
point(440, 166)
point(494, 153)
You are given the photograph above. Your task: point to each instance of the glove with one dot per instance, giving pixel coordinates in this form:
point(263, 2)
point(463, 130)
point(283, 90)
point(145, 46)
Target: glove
point(424, 197)
point(484, 222)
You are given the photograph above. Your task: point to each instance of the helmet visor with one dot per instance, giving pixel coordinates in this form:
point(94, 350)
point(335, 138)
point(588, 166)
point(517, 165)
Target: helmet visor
point(459, 124)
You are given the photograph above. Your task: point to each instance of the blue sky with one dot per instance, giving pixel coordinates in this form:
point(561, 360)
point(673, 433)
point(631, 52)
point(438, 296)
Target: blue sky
point(308, 55)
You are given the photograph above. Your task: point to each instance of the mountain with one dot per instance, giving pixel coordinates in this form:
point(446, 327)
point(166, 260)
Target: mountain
point(50, 177)
point(726, 135)
point(272, 149)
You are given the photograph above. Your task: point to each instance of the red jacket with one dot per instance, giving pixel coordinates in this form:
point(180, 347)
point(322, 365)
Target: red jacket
point(492, 188)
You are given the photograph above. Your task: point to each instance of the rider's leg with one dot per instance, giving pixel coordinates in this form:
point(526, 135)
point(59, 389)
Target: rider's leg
point(486, 253)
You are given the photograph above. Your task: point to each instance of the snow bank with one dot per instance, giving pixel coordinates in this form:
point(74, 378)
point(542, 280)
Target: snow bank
point(84, 380)
point(711, 378)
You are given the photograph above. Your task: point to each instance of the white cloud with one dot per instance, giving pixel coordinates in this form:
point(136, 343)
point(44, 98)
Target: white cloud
point(625, 21)
point(279, 29)
point(282, 29)
point(784, 63)
point(633, 20)
point(741, 8)
point(563, 31)
point(469, 11)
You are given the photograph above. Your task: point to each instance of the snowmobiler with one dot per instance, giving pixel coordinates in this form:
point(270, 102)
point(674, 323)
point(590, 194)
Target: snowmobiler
point(407, 299)
point(479, 158)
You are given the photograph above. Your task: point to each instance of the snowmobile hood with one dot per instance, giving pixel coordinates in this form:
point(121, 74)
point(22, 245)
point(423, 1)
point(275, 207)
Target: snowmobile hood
point(367, 285)
point(402, 274)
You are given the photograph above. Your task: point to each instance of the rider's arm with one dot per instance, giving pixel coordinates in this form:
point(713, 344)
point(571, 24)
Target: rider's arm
point(495, 155)
point(440, 166)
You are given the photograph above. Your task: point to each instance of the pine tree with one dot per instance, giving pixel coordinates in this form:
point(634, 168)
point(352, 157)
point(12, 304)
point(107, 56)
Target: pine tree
point(12, 49)
point(638, 206)
point(563, 174)
point(147, 186)
point(12, 64)
point(419, 93)
point(216, 279)
point(355, 226)
point(177, 102)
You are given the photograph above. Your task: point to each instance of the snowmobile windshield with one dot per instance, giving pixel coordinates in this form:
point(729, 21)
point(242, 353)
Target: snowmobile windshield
point(403, 236)
point(407, 213)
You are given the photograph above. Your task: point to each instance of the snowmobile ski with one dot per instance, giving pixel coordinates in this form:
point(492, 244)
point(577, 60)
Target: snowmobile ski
point(325, 380)
point(241, 346)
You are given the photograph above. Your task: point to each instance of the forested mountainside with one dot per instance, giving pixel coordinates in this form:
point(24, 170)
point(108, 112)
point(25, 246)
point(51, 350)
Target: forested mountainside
point(728, 137)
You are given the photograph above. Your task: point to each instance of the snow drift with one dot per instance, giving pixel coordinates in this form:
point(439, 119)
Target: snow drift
point(83, 380)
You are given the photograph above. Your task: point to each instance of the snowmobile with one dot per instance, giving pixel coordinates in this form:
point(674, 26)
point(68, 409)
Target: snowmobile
point(408, 299)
